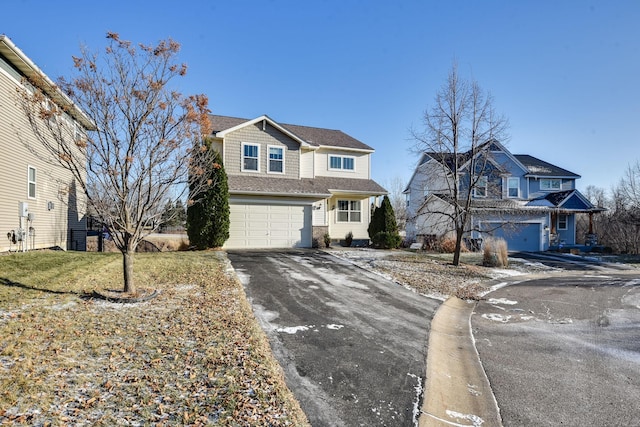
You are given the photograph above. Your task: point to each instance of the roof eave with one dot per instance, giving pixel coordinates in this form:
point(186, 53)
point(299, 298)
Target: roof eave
point(358, 192)
point(279, 194)
point(528, 175)
point(358, 150)
point(31, 70)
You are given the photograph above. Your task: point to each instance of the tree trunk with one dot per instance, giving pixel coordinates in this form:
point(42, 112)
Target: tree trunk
point(458, 249)
point(127, 259)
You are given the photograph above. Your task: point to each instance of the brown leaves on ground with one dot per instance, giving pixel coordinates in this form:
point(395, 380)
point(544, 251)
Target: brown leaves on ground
point(194, 355)
point(434, 276)
point(427, 274)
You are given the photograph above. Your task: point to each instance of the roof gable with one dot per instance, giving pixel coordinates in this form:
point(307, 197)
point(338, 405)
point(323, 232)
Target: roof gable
point(306, 135)
point(569, 199)
point(232, 124)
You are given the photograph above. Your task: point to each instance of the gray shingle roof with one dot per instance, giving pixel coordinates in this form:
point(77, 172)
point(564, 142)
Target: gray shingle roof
point(539, 167)
point(320, 187)
point(312, 135)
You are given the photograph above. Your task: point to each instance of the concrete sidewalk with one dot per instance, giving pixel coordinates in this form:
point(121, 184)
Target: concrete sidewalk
point(457, 391)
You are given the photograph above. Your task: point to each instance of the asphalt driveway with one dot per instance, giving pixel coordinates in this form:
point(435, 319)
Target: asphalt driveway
point(564, 350)
point(352, 344)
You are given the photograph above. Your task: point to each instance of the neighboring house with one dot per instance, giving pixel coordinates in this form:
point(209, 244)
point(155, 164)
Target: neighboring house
point(290, 184)
point(530, 203)
point(40, 206)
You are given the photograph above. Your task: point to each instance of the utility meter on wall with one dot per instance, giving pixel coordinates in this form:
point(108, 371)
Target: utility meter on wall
point(23, 209)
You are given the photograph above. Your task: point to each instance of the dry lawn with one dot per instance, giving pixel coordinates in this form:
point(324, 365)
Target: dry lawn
point(194, 355)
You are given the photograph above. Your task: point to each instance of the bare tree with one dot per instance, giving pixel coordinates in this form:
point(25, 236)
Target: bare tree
point(459, 130)
point(629, 189)
point(622, 230)
point(146, 143)
point(618, 227)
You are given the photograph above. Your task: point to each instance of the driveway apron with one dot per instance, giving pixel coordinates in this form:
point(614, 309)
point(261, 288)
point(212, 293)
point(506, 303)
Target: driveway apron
point(351, 343)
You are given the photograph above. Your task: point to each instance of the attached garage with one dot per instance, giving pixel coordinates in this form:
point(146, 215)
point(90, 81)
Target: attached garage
point(519, 236)
point(268, 224)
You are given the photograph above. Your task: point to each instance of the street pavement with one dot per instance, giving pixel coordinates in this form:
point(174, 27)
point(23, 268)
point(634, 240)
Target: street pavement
point(352, 344)
point(564, 350)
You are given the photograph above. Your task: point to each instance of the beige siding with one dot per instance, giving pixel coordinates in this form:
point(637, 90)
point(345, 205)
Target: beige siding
point(320, 213)
point(338, 230)
point(306, 164)
point(254, 134)
point(216, 144)
point(361, 164)
point(54, 210)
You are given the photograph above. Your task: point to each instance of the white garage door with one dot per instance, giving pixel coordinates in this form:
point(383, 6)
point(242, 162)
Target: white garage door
point(257, 225)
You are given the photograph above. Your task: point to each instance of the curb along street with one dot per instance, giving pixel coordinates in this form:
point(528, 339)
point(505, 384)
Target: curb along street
point(457, 391)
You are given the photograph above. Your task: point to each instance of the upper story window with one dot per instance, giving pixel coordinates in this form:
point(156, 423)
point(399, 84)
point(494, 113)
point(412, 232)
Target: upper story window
point(250, 157)
point(31, 179)
point(276, 160)
point(346, 163)
point(549, 184)
point(349, 211)
point(513, 187)
point(480, 189)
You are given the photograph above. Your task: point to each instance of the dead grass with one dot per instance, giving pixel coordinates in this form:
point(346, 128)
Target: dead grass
point(153, 243)
point(433, 274)
point(194, 355)
point(495, 253)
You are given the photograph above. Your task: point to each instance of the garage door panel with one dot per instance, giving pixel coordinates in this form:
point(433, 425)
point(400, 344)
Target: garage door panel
point(264, 225)
point(519, 236)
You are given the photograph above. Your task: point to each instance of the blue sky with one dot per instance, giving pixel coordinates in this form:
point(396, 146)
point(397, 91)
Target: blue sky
point(566, 74)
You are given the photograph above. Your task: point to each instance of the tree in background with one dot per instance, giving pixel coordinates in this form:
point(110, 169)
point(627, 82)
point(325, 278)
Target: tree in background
point(146, 147)
point(618, 227)
point(174, 215)
point(396, 187)
point(383, 229)
point(208, 210)
point(459, 128)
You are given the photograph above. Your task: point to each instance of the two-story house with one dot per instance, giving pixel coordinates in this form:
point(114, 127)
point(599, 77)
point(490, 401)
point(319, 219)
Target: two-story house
point(530, 203)
point(289, 185)
point(40, 205)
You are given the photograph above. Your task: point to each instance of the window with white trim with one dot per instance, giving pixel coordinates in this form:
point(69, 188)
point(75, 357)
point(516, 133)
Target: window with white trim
point(513, 187)
point(346, 163)
point(276, 160)
point(31, 179)
point(480, 189)
point(349, 211)
point(550, 184)
point(563, 221)
point(250, 157)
